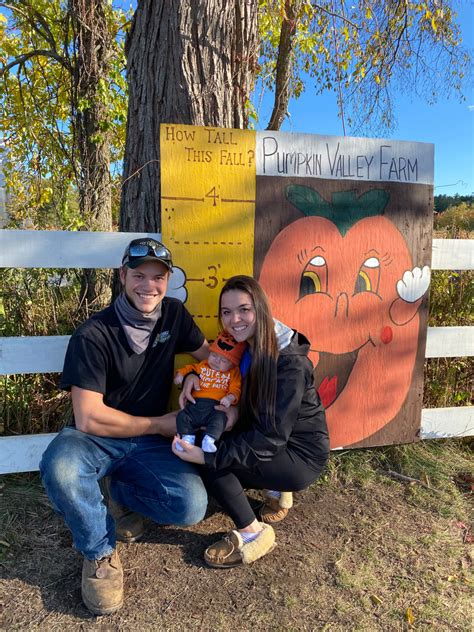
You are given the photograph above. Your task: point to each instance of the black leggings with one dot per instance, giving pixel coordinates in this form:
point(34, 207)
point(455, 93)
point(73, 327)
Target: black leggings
point(286, 472)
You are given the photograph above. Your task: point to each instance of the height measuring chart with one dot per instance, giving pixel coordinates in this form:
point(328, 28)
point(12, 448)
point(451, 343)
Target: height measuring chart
point(208, 210)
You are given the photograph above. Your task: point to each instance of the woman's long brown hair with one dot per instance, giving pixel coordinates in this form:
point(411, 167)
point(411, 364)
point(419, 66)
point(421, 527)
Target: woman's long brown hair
point(259, 386)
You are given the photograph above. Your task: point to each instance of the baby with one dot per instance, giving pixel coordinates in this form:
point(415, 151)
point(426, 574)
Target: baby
point(219, 381)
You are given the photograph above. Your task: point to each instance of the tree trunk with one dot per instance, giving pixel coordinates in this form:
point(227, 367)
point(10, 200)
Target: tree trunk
point(190, 62)
point(92, 50)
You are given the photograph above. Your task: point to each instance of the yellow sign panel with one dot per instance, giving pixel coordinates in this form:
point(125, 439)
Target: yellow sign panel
point(208, 210)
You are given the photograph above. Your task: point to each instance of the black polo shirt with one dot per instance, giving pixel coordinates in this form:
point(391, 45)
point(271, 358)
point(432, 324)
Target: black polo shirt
point(99, 359)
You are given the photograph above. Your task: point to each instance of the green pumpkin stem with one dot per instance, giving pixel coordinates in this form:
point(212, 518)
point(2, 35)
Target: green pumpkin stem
point(345, 208)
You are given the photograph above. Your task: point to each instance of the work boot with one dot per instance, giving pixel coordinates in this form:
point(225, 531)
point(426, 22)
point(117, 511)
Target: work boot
point(233, 551)
point(102, 584)
point(275, 509)
point(128, 524)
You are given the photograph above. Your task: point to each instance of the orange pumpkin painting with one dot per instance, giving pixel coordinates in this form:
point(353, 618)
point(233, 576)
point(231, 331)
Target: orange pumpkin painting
point(344, 276)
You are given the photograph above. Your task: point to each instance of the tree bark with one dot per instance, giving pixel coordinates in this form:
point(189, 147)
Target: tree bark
point(92, 50)
point(189, 62)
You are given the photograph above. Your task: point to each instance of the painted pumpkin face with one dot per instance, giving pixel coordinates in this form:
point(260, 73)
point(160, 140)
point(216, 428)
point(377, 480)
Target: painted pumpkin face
point(338, 288)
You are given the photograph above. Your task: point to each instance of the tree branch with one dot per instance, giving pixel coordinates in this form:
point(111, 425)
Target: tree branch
point(284, 64)
point(340, 98)
point(335, 15)
point(21, 59)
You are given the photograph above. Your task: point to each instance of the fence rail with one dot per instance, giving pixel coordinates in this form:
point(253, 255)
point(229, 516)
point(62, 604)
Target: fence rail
point(67, 249)
point(63, 248)
point(80, 249)
point(45, 354)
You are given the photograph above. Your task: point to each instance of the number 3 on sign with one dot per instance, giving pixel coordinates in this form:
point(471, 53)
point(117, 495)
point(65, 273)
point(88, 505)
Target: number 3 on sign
point(213, 280)
point(213, 195)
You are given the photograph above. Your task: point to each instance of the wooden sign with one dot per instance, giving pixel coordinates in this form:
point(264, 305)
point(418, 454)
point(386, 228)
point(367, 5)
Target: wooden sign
point(338, 231)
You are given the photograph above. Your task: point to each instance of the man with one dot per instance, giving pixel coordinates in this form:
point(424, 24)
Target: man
point(119, 369)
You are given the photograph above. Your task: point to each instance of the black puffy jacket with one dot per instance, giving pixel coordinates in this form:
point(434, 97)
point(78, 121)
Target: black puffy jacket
point(299, 425)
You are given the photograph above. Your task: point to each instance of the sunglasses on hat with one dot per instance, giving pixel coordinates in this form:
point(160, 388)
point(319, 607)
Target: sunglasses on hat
point(147, 250)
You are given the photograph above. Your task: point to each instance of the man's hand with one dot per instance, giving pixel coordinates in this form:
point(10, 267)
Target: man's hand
point(190, 453)
point(190, 384)
point(178, 378)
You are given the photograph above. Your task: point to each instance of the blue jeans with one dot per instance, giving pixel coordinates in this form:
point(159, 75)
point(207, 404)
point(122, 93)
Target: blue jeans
point(145, 477)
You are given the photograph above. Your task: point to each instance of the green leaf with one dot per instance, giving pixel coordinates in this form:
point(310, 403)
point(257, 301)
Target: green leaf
point(307, 200)
point(345, 209)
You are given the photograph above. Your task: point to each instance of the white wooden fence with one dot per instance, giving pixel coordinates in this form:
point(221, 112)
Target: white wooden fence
point(64, 249)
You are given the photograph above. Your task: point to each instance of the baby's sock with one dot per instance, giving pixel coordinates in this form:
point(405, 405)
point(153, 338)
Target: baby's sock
point(188, 438)
point(208, 444)
point(272, 493)
point(248, 537)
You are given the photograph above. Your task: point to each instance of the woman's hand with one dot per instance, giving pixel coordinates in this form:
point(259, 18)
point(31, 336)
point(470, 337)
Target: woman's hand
point(232, 415)
point(191, 383)
point(191, 453)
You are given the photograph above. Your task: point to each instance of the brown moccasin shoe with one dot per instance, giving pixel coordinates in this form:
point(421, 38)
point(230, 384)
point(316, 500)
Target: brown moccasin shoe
point(102, 584)
point(129, 525)
point(275, 509)
point(232, 551)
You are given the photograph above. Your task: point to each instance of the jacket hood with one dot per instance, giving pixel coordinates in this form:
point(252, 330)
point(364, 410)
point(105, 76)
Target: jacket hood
point(290, 342)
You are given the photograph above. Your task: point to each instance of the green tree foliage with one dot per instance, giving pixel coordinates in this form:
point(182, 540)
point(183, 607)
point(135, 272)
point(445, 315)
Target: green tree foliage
point(443, 201)
point(366, 52)
point(40, 105)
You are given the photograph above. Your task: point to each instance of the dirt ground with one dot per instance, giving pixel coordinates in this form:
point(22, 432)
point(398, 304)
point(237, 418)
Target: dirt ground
point(348, 558)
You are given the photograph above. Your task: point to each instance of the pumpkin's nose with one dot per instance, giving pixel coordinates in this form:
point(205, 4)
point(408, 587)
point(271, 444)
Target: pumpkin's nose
point(342, 306)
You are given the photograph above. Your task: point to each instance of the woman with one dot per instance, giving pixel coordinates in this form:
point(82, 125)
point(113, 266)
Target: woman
point(281, 441)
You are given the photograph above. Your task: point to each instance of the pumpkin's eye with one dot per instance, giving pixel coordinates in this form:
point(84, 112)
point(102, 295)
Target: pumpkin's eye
point(371, 262)
point(368, 277)
point(315, 277)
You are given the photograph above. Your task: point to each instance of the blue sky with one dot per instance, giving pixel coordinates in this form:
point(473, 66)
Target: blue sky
point(448, 124)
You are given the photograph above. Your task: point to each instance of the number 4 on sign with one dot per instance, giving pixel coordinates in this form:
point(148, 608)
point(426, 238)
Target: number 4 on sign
point(213, 195)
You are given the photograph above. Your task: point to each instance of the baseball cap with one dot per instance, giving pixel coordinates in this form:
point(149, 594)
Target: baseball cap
point(146, 249)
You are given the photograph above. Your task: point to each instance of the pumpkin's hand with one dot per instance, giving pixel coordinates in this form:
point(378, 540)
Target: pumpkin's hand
point(177, 285)
point(414, 284)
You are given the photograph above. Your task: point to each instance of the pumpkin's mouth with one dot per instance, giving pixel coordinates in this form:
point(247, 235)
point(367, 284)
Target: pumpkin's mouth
point(332, 373)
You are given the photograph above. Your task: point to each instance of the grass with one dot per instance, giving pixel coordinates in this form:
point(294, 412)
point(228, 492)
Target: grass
point(457, 219)
point(436, 464)
point(423, 571)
